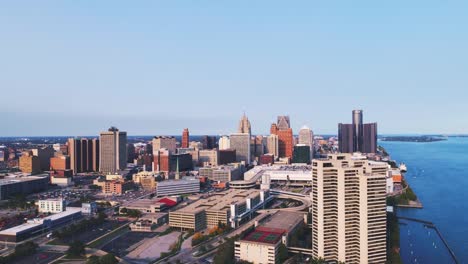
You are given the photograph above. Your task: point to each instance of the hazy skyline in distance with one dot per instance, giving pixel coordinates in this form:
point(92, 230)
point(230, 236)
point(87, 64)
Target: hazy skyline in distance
point(71, 68)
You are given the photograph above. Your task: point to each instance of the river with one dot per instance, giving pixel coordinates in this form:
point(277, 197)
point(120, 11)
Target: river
point(438, 174)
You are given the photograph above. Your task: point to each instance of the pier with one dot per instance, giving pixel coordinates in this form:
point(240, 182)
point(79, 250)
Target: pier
point(433, 226)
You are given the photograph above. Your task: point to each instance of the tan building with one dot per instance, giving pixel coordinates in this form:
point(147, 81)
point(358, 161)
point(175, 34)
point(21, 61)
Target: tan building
point(44, 153)
point(60, 163)
point(146, 180)
point(228, 207)
point(222, 173)
point(116, 187)
point(208, 157)
point(349, 209)
point(272, 145)
point(169, 143)
point(29, 163)
point(113, 151)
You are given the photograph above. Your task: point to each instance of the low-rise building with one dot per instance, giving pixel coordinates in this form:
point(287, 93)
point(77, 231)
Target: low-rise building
point(19, 184)
point(185, 185)
point(89, 208)
point(51, 205)
point(225, 173)
point(262, 244)
point(63, 178)
point(228, 207)
point(149, 222)
point(146, 180)
point(151, 205)
point(117, 187)
point(39, 226)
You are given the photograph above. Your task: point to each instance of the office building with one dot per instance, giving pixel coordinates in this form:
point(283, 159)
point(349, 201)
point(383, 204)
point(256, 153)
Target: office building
point(117, 187)
point(147, 180)
point(209, 142)
point(261, 245)
point(161, 160)
point(180, 162)
point(29, 163)
point(151, 205)
point(25, 185)
point(208, 157)
point(89, 208)
point(186, 185)
point(227, 156)
point(285, 136)
point(60, 163)
point(225, 173)
point(185, 138)
point(301, 154)
point(62, 178)
point(244, 126)
point(349, 209)
point(44, 154)
point(229, 207)
point(241, 143)
point(38, 226)
point(357, 137)
point(306, 137)
point(52, 206)
point(113, 151)
point(267, 159)
point(168, 143)
point(195, 145)
point(224, 143)
point(131, 153)
point(272, 145)
point(84, 154)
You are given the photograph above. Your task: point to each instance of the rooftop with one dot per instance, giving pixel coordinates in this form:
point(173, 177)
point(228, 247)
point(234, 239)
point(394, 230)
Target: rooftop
point(264, 235)
point(284, 220)
point(38, 222)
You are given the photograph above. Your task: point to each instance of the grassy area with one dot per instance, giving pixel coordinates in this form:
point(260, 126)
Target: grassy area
point(109, 237)
point(393, 240)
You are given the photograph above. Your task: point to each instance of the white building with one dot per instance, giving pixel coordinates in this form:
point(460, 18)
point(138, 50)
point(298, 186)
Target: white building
point(272, 146)
point(224, 143)
point(306, 137)
point(51, 206)
point(349, 209)
point(61, 181)
point(185, 185)
point(241, 143)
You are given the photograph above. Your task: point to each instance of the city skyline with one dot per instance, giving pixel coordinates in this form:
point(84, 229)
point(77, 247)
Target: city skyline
point(63, 62)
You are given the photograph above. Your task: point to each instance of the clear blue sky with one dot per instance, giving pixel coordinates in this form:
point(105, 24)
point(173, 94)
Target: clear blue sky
point(155, 67)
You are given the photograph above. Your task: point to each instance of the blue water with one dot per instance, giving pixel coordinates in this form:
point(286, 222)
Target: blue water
point(438, 173)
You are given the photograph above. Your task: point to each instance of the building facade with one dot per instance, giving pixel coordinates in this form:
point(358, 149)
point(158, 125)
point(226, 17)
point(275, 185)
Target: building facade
point(241, 143)
point(185, 138)
point(168, 143)
point(51, 206)
point(113, 151)
point(349, 209)
point(29, 163)
point(357, 137)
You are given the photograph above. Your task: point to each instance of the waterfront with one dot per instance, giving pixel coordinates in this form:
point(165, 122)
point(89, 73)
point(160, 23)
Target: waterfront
point(438, 174)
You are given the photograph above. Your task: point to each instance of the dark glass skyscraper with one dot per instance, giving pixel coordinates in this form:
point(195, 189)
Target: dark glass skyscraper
point(357, 137)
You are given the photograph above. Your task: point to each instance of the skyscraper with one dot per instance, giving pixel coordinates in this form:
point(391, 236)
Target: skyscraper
point(241, 143)
point(272, 145)
point(349, 209)
point(169, 143)
point(224, 143)
point(357, 137)
point(185, 138)
point(306, 137)
point(283, 122)
point(285, 136)
point(83, 155)
point(244, 125)
point(113, 150)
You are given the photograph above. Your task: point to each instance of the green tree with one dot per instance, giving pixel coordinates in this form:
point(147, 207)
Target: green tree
point(93, 260)
point(282, 253)
point(225, 253)
point(76, 249)
point(26, 249)
point(109, 259)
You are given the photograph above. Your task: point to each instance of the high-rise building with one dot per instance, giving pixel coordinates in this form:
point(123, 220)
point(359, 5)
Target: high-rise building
point(349, 209)
point(272, 146)
point(29, 163)
point(44, 154)
point(185, 138)
point(301, 154)
point(113, 150)
point(209, 142)
point(241, 143)
point(357, 137)
point(244, 125)
point(60, 163)
point(131, 153)
point(83, 155)
point(285, 136)
point(161, 160)
point(283, 122)
point(224, 143)
point(306, 137)
point(168, 143)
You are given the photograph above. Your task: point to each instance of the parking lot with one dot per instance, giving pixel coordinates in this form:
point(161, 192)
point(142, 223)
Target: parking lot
point(39, 258)
point(96, 232)
point(126, 243)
